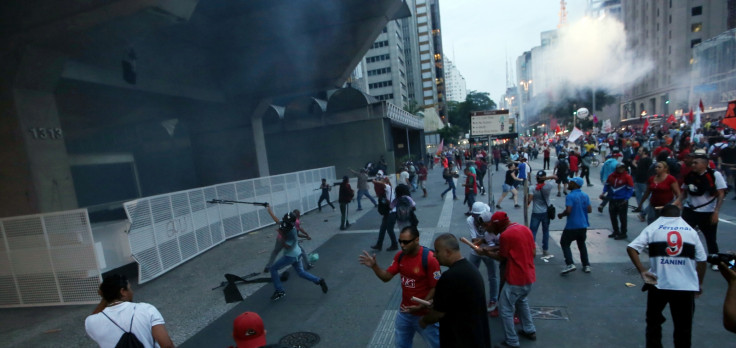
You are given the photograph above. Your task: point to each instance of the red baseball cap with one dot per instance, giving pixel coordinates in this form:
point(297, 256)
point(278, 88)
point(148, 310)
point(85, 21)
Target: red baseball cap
point(248, 331)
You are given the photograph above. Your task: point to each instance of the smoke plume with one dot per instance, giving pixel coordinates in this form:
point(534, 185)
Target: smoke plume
point(592, 53)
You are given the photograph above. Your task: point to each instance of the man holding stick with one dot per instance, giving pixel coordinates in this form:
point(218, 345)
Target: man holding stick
point(292, 251)
point(460, 300)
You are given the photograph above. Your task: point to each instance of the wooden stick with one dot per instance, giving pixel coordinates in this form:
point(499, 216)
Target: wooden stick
point(469, 243)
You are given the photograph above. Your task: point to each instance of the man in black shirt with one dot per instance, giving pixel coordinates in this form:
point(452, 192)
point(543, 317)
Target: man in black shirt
point(459, 299)
point(641, 174)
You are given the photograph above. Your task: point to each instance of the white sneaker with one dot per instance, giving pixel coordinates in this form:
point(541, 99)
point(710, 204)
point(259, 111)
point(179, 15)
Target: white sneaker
point(586, 269)
point(714, 267)
point(568, 269)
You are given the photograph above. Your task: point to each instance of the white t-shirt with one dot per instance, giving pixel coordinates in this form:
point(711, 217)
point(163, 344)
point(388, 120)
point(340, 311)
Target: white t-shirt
point(490, 238)
point(403, 177)
point(106, 334)
point(706, 197)
point(674, 248)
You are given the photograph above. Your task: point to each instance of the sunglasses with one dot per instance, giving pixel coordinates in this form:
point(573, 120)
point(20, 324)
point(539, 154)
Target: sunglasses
point(405, 242)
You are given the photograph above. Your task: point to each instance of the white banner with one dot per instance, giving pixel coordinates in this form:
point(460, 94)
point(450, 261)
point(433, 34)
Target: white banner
point(574, 135)
point(607, 128)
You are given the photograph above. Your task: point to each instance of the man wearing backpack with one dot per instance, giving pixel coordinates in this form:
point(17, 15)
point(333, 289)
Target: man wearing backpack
point(117, 320)
point(703, 191)
point(419, 271)
point(448, 175)
point(562, 169)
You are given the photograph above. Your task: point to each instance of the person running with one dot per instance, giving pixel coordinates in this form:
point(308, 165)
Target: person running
point(301, 233)
point(363, 188)
point(326, 188)
point(288, 235)
point(577, 208)
point(509, 185)
point(449, 175)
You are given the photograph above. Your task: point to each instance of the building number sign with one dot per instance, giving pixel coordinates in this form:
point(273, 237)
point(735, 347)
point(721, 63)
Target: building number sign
point(46, 133)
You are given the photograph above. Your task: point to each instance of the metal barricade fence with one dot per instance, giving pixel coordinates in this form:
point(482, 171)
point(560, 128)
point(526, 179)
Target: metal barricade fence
point(167, 230)
point(48, 259)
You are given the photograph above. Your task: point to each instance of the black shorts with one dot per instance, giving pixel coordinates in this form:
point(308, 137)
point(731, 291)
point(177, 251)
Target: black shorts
point(562, 179)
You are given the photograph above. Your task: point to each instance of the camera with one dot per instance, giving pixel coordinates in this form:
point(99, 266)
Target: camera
point(715, 259)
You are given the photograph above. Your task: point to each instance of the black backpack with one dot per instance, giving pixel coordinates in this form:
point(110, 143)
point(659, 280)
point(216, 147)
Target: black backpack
point(403, 209)
point(128, 339)
point(384, 207)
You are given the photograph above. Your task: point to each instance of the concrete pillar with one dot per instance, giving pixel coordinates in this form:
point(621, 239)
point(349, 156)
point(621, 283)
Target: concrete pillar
point(35, 176)
point(259, 138)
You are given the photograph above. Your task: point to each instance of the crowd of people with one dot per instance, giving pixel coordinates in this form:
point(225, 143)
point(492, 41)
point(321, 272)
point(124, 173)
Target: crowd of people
point(679, 183)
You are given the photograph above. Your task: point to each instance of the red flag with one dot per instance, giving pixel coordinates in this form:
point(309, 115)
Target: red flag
point(690, 116)
point(702, 109)
point(671, 119)
point(730, 118)
point(557, 129)
point(646, 125)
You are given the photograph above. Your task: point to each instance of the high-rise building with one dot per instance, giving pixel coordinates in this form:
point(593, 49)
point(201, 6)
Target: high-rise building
point(604, 8)
point(405, 62)
point(666, 31)
point(454, 82)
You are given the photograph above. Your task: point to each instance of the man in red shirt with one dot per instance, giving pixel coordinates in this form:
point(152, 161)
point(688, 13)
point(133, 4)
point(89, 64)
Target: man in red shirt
point(573, 164)
point(546, 159)
point(420, 271)
point(517, 248)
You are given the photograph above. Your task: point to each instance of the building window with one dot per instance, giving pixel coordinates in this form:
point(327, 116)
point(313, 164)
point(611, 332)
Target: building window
point(380, 84)
point(380, 44)
point(697, 27)
point(381, 71)
point(697, 11)
point(377, 58)
point(694, 42)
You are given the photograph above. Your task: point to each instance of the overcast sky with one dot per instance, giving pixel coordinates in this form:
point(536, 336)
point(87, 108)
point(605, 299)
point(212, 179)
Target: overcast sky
point(479, 35)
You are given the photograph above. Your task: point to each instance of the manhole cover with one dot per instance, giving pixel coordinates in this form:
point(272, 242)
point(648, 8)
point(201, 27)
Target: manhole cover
point(299, 340)
point(549, 313)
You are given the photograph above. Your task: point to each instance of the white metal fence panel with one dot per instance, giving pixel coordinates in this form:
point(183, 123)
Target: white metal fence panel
point(169, 229)
point(48, 259)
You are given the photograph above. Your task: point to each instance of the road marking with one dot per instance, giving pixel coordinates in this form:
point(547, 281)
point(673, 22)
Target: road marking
point(726, 221)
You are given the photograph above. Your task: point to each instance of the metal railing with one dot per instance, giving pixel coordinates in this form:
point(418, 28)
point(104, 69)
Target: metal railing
point(47, 260)
point(169, 229)
point(402, 116)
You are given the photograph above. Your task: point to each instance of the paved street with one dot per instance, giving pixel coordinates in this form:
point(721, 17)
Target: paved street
point(579, 309)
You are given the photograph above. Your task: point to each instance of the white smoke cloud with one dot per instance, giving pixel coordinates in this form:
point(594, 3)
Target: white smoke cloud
point(592, 53)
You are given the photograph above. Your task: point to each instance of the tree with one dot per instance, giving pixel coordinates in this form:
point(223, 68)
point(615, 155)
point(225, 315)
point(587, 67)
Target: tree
point(459, 113)
point(413, 107)
point(450, 134)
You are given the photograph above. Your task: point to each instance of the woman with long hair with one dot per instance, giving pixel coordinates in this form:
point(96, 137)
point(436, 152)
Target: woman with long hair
point(663, 189)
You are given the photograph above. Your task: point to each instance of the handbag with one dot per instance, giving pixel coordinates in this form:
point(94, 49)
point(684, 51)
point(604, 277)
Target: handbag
point(551, 210)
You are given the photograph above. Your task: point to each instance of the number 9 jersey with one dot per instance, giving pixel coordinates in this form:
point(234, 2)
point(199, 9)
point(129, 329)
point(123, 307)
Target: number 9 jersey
point(674, 249)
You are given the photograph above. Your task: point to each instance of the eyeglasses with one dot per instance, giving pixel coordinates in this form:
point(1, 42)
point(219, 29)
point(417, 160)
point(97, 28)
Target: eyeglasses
point(405, 242)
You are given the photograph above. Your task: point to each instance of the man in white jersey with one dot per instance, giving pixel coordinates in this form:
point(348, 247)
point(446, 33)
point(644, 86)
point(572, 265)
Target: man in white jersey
point(677, 267)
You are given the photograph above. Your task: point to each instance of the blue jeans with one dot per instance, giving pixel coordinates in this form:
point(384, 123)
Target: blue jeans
point(513, 297)
point(491, 269)
point(362, 193)
point(639, 188)
point(451, 186)
point(407, 324)
point(471, 199)
point(542, 218)
point(294, 262)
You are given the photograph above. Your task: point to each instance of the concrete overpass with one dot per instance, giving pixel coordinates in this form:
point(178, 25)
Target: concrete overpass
point(104, 101)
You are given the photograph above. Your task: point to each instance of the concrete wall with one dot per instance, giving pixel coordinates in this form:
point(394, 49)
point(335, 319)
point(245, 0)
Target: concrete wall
point(345, 145)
